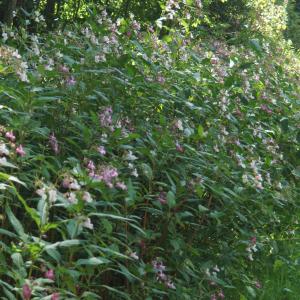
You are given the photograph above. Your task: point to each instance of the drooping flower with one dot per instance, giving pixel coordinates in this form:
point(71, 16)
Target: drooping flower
point(121, 185)
point(91, 166)
point(64, 69)
point(107, 175)
point(162, 197)
point(101, 150)
point(50, 274)
point(20, 151)
point(71, 81)
point(105, 117)
point(130, 156)
point(134, 255)
point(135, 173)
point(88, 224)
point(3, 149)
point(179, 148)
point(72, 198)
point(53, 143)
point(170, 285)
point(213, 297)
point(55, 296)
point(158, 265)
point(71, 183)
point(258, 285)
point(221, 295)
point(26, 291)
point(52, 195)
point(87, 197)
point(10, 136)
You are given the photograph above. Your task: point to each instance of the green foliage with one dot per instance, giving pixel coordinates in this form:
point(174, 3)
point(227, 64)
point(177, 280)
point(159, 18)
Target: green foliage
point(293, 28)
point(140, 162)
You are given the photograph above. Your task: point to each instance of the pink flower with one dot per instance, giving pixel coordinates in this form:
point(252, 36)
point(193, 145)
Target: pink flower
point(71, 81)
point(70, 183)
point(20, 151)
point(161, 79)
point(158, 266)
point(53, 143)
point(221, 295)
point(213, 297)
point(10, 135)
point(64, 69)
point(101, 150)
point(214, 60)
point(105, 117)
point(266, 109)
point(91, 166)
point(50, 274)
point(136, 25)
point(171, 285)
point(26, 292)
point(179, 148)
point(258, 285)
point(162, 197)
point(121, 186)
point(55, 296)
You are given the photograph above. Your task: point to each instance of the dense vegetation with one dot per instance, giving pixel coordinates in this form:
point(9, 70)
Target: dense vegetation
point(149, 150)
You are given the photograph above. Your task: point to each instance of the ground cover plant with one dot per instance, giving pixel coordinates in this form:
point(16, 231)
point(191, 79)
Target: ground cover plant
point(148, 160)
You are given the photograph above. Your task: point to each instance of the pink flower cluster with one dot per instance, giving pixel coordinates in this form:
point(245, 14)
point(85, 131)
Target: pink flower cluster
point(106, 174)
point(161, 276)
point(219, 295)
point(11, 137)
point(105, 117)
point(53, 143)
point(27, 291)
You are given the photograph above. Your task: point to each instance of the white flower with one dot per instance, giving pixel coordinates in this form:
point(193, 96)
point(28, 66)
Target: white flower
point(87, 197)
point(245, 178)
point(16, 54)
point(59, 55)
point(4, 36)
point(179, 125)
point(216, 268)
point(3, 160)
point(42, 193)
point(52, 195)
point(134, 255)
point(23, 76)
point(130, 156)
point(135, 173)
point(106, 39)
point(88, 224)
point(74, 185)
point(72, 198)
point(3, 150)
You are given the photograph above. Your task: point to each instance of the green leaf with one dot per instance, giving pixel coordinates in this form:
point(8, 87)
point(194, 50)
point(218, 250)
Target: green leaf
point(93, 261)
point(202, 208)
point(255, 45)
point(7, 177)
point(296, 172)
point(147, 171)
point(15, 223)
point(171, 199)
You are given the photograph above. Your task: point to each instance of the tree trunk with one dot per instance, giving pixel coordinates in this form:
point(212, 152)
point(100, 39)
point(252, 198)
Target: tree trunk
point(9, 8)
point(49, 12)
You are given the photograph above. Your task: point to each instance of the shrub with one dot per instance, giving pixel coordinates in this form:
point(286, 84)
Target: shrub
point(144, 168)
